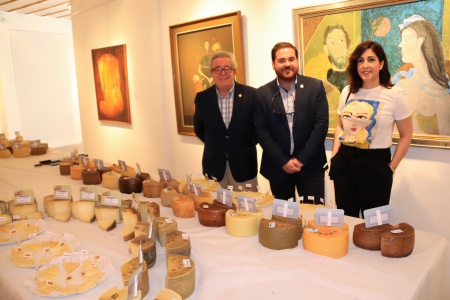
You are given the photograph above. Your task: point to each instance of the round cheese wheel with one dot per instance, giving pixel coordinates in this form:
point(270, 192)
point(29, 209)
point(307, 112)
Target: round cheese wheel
point(177, 242)
point(369, 238)
point(38, 150)
point(180, 277)
point(175, 184)
point(152, 189)
point(64, 168)
point(326, 241)
point(5, 153)
point(148, 249)
point(167, 195)
point(297, 222)
point(277, 235)
point(211, 215)
point(75, 172)
point(129, 268)
point(240, 223)
point(21, 153)
point(110, 180)
point(398, 241)
point(128, 185)
point(90, 177)
point(183, 207)
point(207, 197)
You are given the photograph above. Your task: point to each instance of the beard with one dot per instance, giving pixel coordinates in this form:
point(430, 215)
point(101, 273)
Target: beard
point(340, 62)
point(287, 77)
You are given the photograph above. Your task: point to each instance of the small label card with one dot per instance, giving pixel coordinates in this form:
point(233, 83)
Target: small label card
point(379, 216)
point(134, 283)
point(85, 160)
point(122, 165)
point(111, 198)
point(196, 188)
point(138, 168)
point(17, 133)
point(164, 175)
point(24, 197)
point(16, 145)
point(134, 202)
point(35, 143)
point(88, 193)
point(246, 203)
point(98, 164)
point(225, 196)
point(329, 217)
point(62, 192)
point(284, 208)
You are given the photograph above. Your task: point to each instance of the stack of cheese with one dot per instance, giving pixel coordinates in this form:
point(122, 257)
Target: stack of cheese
point(24, 211)
point(148, 247)
point(183, 207)
point(19, 230)
point(129, 268)
point(242, 223)
point(107, 216)
point(277, 235)
point(180, 275)
point(59, 209)
point(331, 241)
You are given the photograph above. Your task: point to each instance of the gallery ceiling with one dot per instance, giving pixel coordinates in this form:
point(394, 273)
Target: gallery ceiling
point(43, 8)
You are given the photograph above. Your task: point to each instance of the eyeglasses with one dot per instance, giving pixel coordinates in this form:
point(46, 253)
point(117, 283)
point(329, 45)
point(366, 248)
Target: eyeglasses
point(219, 70)
point(278, 107)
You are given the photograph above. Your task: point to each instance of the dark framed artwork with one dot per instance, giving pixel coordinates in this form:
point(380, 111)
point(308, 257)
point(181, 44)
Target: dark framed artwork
point(111, 84)
point(416, 38)
point(192, 44)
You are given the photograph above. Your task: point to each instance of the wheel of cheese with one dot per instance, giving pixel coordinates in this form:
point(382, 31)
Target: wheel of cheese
point(297, 222)
point(177, 242)
point(75, 172)
point(183, 207)
point(398, 241)
point(21, 153)
point(369, 238)
point(103, 171)
point(148, 210)
point(38, 150)
point(128, 185)
point(224, 206)
point(164, 225)
point(5, 153)
point(143, 176)
point(180, 277)
point(3, 207)
point(175, 184)
point(211, 215)
point(152, 189)
point(277, 235)
point(64, 168)
point(186, 191)
point(241, 224)
point(21, 211)
point(129, 268)
point(326, 241)
point(110, 180)
point(148, 247)
point(168, 294)
point(308, 211)
point(167, 195)
point(26, 144)
point(90, 177)
point(83, 210)
point(207, 197)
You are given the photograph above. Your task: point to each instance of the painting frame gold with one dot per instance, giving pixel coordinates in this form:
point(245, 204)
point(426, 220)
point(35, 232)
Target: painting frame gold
point(190, 43)
point(111, 84)
point(307, 22)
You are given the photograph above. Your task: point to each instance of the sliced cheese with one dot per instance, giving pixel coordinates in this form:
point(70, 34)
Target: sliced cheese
point(35, 215)
point(107, 212)
point(107, 224)
point(22, 210)
point(62, 217)
point(168, 294)
point(83, 210)
point(58, 207)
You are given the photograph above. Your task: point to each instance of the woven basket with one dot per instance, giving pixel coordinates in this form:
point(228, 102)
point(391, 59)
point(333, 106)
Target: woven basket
point(398, 244)
point(369, 238)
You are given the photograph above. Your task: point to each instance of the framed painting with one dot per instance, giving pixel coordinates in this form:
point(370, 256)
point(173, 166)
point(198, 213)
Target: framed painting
point(192, 44)
point(416, 38)
point(111, 84)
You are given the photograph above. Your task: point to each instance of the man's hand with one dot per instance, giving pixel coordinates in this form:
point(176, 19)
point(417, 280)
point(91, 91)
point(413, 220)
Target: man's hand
point(292, 166)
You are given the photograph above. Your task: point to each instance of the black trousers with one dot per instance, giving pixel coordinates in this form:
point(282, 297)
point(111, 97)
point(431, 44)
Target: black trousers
point(311, 188)
point(362, 179)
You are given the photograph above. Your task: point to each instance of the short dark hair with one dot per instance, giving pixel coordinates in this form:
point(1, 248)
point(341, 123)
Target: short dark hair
point(354, 79)
point(281, 45)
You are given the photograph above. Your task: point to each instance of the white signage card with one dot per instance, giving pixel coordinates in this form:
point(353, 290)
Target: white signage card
point(378, 216)
point(164, 175)
point(111, 198)
point(122, 165)
point(225, 196)
point(196, 188)
point(16, 145)
point(134, 283)
point(85, 160)
point(284, 208)
point(329, 217)
point(88, 193)
point(24, 197)
point(98, 164)
point(17, 133)
point(35, 143)
point(246, 203)
point(138, 168)
point(61, 192)
point(134, 202)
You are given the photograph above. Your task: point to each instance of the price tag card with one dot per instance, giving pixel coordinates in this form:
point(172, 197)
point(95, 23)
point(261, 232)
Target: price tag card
point(134, 202)
point(329, 217)
point(2, 136)
point(16, 145)
point(85, 160)
point(24, 197)
point(88, 193)
point(98, 164)
point(196, 188)
point(111, 198)
point(284, 208)
point(225, 196)
point(17, 133)
point(122, 165)
point(134, 283)
point(379, 216)
point(246, 203)
point(164, 175)
point(62, 192)
point(138, 169)
point(35, 143)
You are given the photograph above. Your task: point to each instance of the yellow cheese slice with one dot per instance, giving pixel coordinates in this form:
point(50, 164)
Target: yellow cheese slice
point(21, 261)
point(167, 294)
point(35, 247)
point(48, 287)
point(70, 266)
point(106, 224)
point(50, 273)
point(115, 294)
point(35, 215)
point(62, 217)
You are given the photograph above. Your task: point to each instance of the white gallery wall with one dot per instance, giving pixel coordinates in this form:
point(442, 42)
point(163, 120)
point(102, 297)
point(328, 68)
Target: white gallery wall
point(38, 85)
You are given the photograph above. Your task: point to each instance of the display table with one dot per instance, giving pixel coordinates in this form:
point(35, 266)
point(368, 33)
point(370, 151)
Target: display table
point(230, 267)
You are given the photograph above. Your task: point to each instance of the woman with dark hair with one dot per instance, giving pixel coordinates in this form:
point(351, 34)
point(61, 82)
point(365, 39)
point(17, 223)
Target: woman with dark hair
point(361, 165)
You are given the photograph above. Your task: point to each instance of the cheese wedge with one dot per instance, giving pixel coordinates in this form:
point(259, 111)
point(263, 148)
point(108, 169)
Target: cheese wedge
point(83, 210)
point(168, 294)
point(70, 266)
point(62, 217)
point(107, 224)
point(36, 215)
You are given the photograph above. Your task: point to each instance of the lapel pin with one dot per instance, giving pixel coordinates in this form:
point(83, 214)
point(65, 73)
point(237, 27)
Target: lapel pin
point(301, 85)
point(240, 95)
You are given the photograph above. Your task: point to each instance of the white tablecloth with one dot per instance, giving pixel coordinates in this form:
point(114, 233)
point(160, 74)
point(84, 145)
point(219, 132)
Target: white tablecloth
point(229, 267)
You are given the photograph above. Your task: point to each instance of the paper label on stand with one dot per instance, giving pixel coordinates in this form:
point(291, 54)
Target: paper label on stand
point(284, 208)
point(62, 192)
point(24, 197)
point(246, 203)
point(378, 216)
point(329, 217)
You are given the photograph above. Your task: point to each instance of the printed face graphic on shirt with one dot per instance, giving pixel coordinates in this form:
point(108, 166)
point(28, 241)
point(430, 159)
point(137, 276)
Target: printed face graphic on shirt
point(358, 118)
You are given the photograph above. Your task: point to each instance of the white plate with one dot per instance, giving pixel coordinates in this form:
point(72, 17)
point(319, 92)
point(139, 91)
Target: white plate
point(13, 237)
point(43, 255)
point(102, 263)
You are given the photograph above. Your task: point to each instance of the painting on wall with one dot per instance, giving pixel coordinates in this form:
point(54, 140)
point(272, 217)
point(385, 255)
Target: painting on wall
point(192, 44)
point(416, 38)
point(111, 84)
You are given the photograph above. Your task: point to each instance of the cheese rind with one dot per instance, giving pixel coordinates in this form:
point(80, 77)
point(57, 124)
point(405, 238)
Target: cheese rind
point(107, 224)
point(180, 277)
point(326, 241)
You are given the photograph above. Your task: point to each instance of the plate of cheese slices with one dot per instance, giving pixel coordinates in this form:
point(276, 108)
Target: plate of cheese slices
point(40, 250)
point(19, 231)
point(70, 274)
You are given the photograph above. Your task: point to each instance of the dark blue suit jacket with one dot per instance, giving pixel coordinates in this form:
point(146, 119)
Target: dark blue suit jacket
point(309, 129)
point(237, 143)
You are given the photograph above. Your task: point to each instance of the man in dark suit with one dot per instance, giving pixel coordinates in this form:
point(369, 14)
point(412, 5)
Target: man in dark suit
point(291, 123)
point(223, 120)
